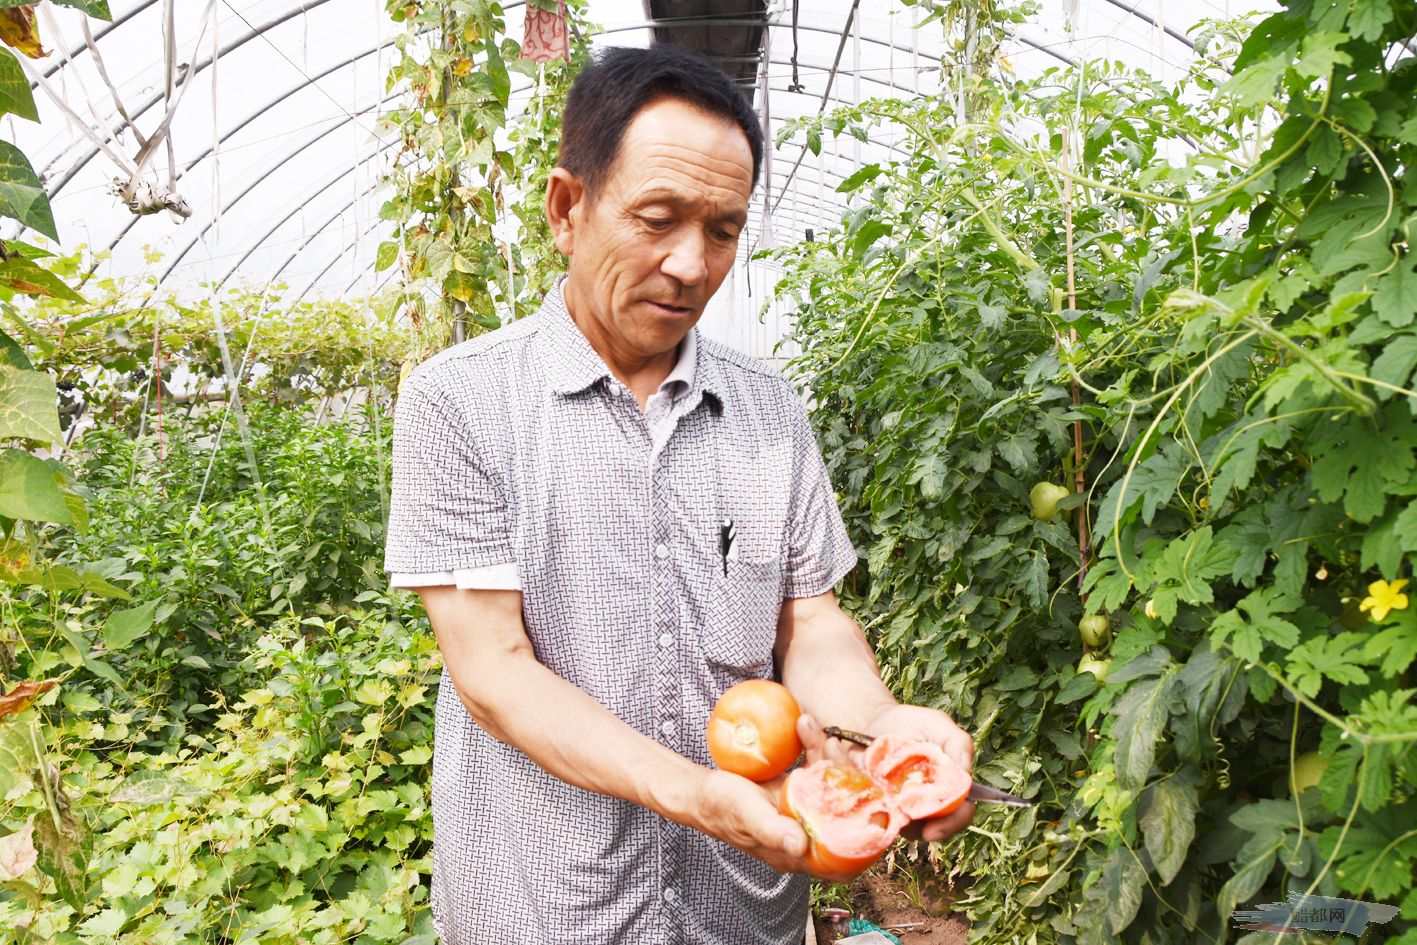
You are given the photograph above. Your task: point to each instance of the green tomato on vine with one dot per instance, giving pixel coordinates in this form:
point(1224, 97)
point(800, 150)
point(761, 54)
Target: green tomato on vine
point(1096, 631)
point(1308, 769)
point(1095, 666)
point(1044, 498)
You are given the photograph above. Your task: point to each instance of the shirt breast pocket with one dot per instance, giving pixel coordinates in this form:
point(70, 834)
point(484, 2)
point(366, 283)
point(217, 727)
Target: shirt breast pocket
point(742, 617)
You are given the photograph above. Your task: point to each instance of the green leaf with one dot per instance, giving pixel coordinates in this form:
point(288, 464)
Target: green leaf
point(25, 277)
point(1404, 527)
point(1394, 647)
point(28, 405)
point(1394, 366)
point(1187, 567)
point(1212, 692)
point(1381, 549)
point(1152, 662)
point(1325, 151)
point(64, 851)
point(384, 258)
point(1248, 879)
point(863, 175)
point(106, 924)
point(17, 760)
point(1395, 299)
point(1368, 17)
point(867, 235)
point(12, 354)
point(814, 140)
point(94, 8)
point(1333, 658)
point(1152, 485)
point(1249, 636)
point(1169, 825)
point(1256, 82)
point(1123, 880)
point(124, 626)
point(1357, 462)
point(1141, 716)
point(15, 95)
point(28, 490)
point(22, 196)
point(1319, 54)
point(1033, 579)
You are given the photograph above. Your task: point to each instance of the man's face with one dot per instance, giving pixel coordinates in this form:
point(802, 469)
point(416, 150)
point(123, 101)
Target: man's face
point(652, 247)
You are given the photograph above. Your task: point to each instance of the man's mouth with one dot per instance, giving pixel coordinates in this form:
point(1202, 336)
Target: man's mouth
point(671, 309)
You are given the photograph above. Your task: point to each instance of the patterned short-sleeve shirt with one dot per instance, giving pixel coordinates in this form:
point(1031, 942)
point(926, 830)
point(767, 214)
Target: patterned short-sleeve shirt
point(520, 446)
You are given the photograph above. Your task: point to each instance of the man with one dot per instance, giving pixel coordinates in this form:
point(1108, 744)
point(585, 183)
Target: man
point(610, 520)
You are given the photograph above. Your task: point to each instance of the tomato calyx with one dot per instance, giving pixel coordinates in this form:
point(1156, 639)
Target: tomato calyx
point(752, 731)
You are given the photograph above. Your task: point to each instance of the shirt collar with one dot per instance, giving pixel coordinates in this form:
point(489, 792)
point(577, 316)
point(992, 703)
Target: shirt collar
point(573, 365)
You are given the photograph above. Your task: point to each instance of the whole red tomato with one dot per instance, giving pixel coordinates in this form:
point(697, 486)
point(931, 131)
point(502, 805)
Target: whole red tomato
point(753, 730)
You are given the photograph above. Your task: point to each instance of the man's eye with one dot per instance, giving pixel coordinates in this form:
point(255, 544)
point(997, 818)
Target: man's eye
point(655, 223)
point(724, 236)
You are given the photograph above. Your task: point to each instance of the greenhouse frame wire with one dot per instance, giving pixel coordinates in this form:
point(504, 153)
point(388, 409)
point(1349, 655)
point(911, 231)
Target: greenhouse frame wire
point(881, 55)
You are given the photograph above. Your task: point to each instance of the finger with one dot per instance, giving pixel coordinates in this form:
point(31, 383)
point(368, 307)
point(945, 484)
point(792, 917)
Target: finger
point(942, 828)
point(810, 734)
point(791, 838)
point(959, 748)
point(840, 753)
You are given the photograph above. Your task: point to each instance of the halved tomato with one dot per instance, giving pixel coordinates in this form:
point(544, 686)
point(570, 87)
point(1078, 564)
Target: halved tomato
point(848, 818)
point(920, 778)
point(752, 730)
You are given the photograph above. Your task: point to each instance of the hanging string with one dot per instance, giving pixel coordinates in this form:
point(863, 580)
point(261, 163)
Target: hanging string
point(233, 378)
point(797, 85)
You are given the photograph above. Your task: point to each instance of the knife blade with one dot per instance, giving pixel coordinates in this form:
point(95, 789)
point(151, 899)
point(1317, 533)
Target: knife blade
point(979, 793)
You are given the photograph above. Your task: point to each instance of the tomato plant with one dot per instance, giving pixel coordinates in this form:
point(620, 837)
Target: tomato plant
point(752, 730)
point(1195, 305)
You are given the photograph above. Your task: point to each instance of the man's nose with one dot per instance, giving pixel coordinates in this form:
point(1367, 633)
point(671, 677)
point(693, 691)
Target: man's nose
point(685, 261)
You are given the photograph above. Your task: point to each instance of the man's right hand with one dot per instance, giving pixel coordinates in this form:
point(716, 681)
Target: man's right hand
point(745, 814)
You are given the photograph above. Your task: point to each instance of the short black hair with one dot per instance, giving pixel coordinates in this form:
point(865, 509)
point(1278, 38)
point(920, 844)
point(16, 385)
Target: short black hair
point(608, 93)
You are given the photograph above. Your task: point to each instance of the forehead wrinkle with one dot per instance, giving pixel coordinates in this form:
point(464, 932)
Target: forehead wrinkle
point(667, 166)
point(662, 150)
point(680, 180)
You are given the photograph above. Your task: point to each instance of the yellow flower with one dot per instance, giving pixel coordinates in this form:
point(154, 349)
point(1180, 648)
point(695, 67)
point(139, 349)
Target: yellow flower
point(1383, 598)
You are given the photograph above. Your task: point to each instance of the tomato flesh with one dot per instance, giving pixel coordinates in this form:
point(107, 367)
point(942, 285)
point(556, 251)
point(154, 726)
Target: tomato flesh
point(849, 820)
point(921, 779)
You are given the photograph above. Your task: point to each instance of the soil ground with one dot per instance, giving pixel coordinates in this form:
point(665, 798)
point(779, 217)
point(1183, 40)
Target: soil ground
point(917, 911)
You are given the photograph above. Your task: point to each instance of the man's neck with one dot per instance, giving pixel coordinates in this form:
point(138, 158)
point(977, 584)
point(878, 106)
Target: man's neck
point(642, 375)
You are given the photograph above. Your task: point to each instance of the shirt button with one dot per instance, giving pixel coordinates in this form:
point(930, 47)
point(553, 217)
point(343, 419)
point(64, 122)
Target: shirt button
point(668, 729)
point(666, 640)
point(661, 551)
point(669, 894)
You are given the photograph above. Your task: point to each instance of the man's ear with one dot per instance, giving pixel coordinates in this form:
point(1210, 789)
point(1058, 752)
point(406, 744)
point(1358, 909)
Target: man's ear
point(565, 204)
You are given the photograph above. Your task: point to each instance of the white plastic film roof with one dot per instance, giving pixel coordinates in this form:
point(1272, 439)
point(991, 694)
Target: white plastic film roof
point(279, 155)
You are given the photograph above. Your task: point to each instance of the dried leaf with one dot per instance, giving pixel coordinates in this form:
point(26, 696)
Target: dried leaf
point(20, 698)
point(18, 29)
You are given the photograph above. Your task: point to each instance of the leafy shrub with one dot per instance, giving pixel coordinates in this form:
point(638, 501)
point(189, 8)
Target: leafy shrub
point(300, 816)
point(1235, 361)
point(307, 541)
